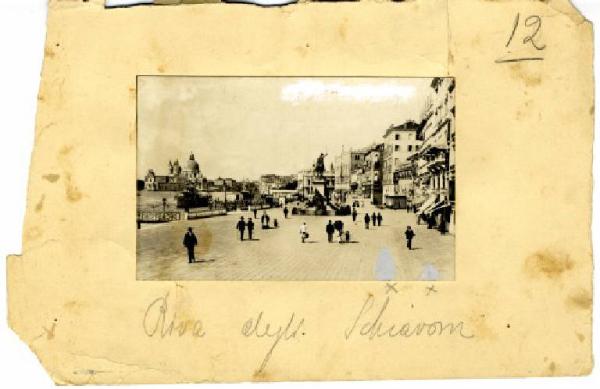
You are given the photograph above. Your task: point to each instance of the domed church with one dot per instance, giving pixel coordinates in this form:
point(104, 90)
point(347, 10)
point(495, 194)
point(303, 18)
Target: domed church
point(179, 176)
point(192, 169)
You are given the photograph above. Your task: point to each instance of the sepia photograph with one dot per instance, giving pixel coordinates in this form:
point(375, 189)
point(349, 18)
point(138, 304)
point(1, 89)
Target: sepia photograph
point(295, 178)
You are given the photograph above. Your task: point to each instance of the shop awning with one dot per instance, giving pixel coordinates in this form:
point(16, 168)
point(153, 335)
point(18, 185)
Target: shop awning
point(428, 204)
point(439, 206)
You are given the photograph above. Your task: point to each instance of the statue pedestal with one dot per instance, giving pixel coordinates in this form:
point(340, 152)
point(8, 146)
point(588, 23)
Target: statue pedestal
point(318, 185)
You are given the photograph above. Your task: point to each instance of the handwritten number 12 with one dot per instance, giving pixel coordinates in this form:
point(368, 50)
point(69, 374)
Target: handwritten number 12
point(532, 21)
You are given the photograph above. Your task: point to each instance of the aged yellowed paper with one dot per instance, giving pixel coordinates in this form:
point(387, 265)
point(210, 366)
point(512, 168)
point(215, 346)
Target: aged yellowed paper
point(518, 299)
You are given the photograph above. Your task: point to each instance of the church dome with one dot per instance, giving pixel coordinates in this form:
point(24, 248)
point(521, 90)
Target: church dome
point(191, 165)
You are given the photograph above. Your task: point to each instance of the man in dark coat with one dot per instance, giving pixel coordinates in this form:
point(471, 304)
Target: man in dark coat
point(241, 226)
point(250, 227)
point(339, 226)
point(410, 234)
point(329, 229)
point(285, 211)
point(354, 214)
point(367, 220)
point(379, 218)
point(255, 213)
point(190, 241)
point(374, 219)
point(430, 221)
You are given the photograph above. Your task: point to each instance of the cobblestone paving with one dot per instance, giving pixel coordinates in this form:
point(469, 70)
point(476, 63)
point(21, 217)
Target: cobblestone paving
point(378, 253)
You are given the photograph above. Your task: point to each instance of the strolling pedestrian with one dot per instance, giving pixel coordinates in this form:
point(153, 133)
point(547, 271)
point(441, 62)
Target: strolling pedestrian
point(339, 226)
point(263, 217)
point(374, 219)
point(354, 214)
point(330, 229)
point(267, 220)
point(367, 220)
point(275, 223)
point(190, 241)
point(410, 234)
point(241, 226)
point(347, 236)
point(379, 219)
point(430, 222)
point(285, 212)
point(255, 211)
point(303, 232)
point(250, 227)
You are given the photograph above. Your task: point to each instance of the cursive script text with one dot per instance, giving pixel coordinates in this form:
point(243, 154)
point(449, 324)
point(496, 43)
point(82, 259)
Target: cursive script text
point(156, 321)
point(259, 329)
point(371, 323)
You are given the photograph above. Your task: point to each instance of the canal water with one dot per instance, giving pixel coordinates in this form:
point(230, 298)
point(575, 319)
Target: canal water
point(153, 200)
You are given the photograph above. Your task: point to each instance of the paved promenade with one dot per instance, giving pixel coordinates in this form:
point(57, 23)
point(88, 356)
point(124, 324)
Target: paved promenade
point(379, 253)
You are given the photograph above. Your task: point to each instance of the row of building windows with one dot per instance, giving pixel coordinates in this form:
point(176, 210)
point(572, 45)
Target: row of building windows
point(408, 148)
point(409, 136)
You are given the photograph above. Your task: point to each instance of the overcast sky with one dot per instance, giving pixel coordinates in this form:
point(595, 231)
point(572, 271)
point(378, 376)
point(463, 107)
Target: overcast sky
point(243, 127)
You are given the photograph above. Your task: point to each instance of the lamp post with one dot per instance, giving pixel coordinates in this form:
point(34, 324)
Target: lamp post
point(225, 191)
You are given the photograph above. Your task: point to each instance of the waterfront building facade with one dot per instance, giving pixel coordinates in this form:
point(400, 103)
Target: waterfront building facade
point(435, 166)
point(399, 143)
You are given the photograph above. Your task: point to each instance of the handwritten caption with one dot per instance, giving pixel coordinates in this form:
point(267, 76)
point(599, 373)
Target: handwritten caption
point(374, 319)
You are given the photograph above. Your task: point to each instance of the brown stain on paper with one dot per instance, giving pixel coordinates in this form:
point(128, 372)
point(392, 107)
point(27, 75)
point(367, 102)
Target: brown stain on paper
point(72, 191)
point(40, 204)
point(65, 150)
point(549, 264)
point(260, 375)
point(49, 53)
point(343, 29)
point(73, 306)
point(51, 177)
point(131, 137)
point(132, 92)
point(518, 71)
point(33, 233)
point(480, 326)
point(582, 299)
point(204, 241)
point(551, 369)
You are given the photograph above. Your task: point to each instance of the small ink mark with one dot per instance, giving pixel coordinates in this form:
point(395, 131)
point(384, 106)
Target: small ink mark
point(431, 289)
point(50, 332)
point(508, 325)
point(390, 287)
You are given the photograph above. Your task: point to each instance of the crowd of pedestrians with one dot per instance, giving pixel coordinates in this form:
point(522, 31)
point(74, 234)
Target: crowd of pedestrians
point(332, 228)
